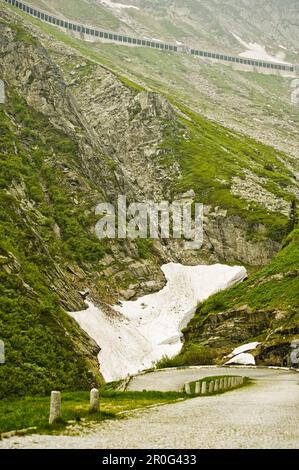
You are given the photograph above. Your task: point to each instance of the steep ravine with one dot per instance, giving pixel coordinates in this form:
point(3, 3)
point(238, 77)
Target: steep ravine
point(121, 131)
point(74, 134)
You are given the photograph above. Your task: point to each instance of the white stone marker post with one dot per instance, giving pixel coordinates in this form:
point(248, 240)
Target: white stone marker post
point(221, 382)
point(197, 388)
point(2, 92)
point(216, 385)
point(94, 400)
point(55, 407)
point(187, 388)
point(203, 388)
point(211, 386)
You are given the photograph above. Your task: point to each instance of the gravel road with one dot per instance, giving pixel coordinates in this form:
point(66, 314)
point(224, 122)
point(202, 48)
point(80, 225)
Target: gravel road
point(265, 415)
point(173, 379)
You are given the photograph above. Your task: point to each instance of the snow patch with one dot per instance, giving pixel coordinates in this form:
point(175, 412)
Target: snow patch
point(123, 348)
point(244, 348)
point(244, 359)
point(118, 6)
point(256, 51)
point(141, 332)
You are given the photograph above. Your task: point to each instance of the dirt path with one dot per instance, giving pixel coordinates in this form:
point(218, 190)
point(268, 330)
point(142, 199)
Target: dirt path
point(265, 415)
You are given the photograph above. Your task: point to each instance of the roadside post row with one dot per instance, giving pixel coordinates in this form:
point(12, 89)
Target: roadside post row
point(83, 29)
point(213, 386)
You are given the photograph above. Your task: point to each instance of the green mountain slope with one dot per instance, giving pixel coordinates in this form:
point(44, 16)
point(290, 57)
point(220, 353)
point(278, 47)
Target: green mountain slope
point(210, 24)
point(249, 102)
point(73, 134)
point(43, 347)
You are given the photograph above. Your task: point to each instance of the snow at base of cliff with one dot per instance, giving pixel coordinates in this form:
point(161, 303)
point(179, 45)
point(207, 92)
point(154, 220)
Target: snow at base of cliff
point(245, 359)
point(141, 332)
point(244, 348)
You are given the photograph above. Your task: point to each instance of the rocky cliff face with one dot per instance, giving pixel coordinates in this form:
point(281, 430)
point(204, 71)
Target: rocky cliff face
point(224, 331)
point(120, 133)
point(238, 97)
point(263, 309)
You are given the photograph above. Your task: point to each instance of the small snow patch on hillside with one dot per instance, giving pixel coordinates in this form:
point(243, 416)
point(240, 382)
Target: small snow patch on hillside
point(118, 6)
point(244, 359)
point(244, 348)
